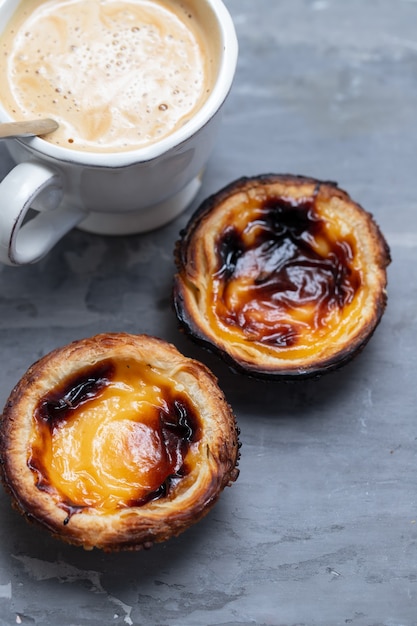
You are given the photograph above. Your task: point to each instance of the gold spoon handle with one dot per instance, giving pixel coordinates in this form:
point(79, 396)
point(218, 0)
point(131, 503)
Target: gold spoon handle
point(27, 129)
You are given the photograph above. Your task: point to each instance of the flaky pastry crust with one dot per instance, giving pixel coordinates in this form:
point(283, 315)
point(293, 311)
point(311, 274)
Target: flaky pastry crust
point(117, 441)
point(281, 275)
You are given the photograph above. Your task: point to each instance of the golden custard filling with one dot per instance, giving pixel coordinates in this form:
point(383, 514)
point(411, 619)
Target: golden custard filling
point(287, 277)
point(118, 434)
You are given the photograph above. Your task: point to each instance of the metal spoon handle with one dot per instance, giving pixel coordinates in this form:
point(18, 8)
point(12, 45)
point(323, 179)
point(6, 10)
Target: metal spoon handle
point(27, 128)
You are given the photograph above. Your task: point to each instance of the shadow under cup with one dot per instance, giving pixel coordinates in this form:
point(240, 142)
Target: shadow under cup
point(112, 193)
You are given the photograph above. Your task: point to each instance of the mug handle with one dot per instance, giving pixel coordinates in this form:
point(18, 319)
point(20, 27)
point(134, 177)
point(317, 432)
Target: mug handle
point(32, 185)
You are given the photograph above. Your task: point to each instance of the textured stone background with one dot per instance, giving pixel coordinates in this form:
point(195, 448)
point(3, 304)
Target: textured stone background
point(321, 527)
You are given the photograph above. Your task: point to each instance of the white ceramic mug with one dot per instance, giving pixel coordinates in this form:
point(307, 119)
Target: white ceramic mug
point(108, 193)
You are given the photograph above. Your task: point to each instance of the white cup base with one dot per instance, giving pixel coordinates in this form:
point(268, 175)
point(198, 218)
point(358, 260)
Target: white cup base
point(144, 220)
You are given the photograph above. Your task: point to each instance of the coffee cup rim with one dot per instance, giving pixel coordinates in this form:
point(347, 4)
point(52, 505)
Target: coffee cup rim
point(219, 93)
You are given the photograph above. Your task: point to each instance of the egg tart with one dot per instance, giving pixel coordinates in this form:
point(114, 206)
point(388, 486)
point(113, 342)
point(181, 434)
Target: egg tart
point(283, 276)
point(117, 441)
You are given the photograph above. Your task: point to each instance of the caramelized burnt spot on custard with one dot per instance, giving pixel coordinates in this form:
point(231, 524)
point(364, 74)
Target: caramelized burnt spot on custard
point(115, 435)
point(282, 276)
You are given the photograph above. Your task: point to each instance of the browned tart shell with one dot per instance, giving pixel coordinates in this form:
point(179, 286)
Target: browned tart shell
point(116, 442)
point(281, 275)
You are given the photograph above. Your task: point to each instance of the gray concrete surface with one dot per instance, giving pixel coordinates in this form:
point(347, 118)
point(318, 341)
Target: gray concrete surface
point(321, 527)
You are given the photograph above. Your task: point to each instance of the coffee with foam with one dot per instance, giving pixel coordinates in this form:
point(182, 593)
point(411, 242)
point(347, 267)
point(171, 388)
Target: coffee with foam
point(116, 75)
